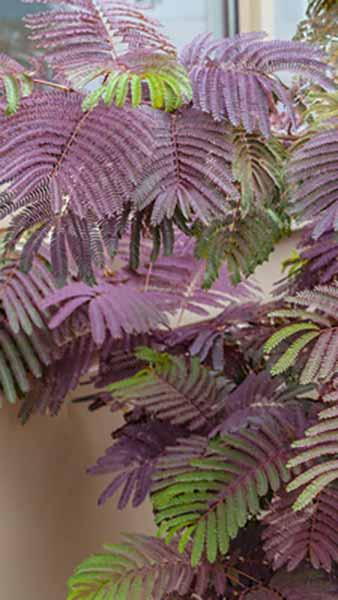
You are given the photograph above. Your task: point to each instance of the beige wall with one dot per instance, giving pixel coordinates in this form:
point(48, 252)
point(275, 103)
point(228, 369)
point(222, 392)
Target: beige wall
point(49, 518)
point(279, 18)
point(250, 14)
point(256, 15)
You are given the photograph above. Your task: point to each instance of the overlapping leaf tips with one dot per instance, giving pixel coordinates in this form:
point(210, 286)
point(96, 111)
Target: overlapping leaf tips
point(87, 33)
point(155, 79)
point(315, 329)
point(133, 459)
point(173, 389)
point(143, 565)
point(25, 345)
point(117, 310)
point(60, 378)
point(181, 275)
point(69, 169)
point(22, 359)
point(317, 453)
point(248, 405)
point(257, 165)
point(190, 168)
point(317, 262)
point(302, 583)
point(140, 565)
point(115, 41)
point(235, 78)
point(310, 534)
point(118, 361)
point(212, 498)
point(22, 296)
point(208, 339)
point(313, 173)
point(87, 162)
point(242, 243)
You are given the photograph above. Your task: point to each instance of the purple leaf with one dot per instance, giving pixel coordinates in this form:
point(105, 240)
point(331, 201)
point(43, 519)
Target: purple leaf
point(65, 311)
point(240, 73)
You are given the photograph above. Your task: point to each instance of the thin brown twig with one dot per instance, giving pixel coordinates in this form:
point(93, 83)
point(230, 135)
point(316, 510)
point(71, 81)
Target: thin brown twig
point(52, 84)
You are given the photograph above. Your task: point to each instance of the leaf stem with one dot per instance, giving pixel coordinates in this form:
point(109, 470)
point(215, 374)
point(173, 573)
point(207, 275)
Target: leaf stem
point(52, 84)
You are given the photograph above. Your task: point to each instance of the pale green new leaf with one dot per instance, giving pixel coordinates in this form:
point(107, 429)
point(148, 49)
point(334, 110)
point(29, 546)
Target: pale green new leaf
point(318, 452)
point(289, 357)
point(321, 341)
point(158, 79)
point(12, 92)
point(283, 334)
point(198, 543)
point(130, 571)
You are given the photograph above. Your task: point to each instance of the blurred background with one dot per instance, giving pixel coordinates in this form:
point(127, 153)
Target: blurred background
point(185, 18)
point(49, 519)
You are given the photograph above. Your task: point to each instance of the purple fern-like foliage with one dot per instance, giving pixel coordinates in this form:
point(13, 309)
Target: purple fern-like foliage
point(313, 171)
point(68, 174)
point(291, 537)
point(230, 342)
point(133, 458)
point(82, 39)
point(118, 361)
point(74, 163)
point(190, 168)
point(252, 401)
point(183, 274)
point(61, 376)
point(235, 78)
point(119, 310)
point(144, 188)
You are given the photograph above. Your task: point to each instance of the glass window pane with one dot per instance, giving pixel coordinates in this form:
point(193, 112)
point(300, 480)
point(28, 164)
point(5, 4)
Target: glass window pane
point(13, 35)
point(287, 15)
point(182, 19)
point(14, 9)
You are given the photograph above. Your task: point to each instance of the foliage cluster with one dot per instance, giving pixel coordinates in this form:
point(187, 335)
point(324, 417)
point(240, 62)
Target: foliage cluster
point(144, 187)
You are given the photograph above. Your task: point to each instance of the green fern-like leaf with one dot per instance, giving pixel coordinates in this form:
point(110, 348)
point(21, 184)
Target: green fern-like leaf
point(257, 166)
point(319, 450)
point(320, 343)
point(20, 359)
point(161, 79)
point(243, 246)
point(283, 334)
point(23, 331)
point(140, 567)
point(288, 359)
point(322, 107)
point(14, 82)
point(92, 99)
point(315, 479)
point(213, 496)
point(26, 85)
point(12, 91)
